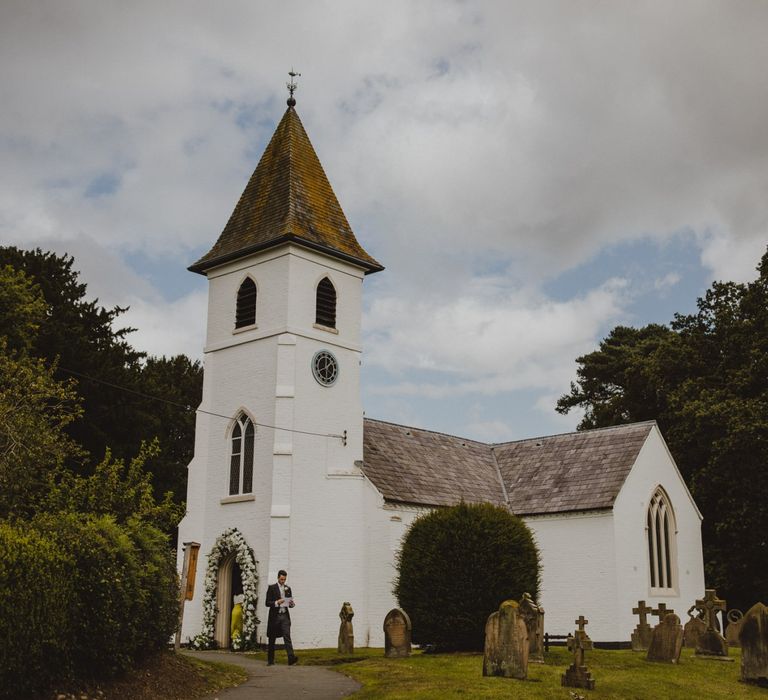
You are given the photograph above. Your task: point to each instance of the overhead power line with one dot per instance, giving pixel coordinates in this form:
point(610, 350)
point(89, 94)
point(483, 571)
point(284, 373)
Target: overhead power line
point(187, 407)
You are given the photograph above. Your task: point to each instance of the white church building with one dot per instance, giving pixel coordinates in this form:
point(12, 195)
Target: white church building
point(288, 474)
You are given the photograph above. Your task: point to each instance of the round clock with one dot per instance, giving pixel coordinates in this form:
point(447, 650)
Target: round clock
point(325, 368)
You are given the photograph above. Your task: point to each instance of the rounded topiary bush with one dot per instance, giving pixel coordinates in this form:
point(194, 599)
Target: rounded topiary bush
point(457, 565)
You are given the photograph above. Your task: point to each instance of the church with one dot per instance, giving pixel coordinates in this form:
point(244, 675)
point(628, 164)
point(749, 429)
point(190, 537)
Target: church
point(288, 473)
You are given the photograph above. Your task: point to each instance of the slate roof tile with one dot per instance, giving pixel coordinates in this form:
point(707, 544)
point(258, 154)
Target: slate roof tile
point(553, 474)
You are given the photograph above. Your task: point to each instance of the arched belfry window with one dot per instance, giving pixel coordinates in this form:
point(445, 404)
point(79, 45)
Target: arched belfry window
point(241, 456)
point(325, 306)
point(245, 314)
point(660, 524)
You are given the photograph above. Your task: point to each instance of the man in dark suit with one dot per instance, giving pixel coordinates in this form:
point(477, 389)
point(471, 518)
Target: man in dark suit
point(279, 599)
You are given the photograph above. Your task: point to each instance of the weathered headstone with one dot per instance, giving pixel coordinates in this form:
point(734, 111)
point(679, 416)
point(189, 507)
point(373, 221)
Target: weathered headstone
point(577, 675)
point(346, 633)
point(533, 616)
point(506, 643)
point(641, 637)
point(693, 629)
point(667, 640)
point(735, 620)
point(753, 638)
point(711, 642)
point(397, 634)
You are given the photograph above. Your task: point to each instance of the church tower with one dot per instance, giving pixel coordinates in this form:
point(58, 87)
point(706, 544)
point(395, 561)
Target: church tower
point(275, 481)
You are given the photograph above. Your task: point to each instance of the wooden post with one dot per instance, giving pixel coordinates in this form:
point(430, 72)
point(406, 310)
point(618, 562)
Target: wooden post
point(188, 572)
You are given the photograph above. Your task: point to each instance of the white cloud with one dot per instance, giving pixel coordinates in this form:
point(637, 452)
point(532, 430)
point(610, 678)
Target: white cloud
point(464, 140)
point(487, 340)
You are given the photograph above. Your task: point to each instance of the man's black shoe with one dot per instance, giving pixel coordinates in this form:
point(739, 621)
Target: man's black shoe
point(270, 663)
point(294, 660)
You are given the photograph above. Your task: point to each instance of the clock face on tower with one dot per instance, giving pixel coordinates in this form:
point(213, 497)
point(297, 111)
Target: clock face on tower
point(325, 368)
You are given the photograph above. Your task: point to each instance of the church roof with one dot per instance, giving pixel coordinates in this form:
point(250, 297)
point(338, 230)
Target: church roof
point(420, 466)
point(553, 474)
point(287, 199)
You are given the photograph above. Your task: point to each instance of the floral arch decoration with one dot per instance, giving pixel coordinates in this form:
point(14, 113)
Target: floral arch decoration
point(230, 542)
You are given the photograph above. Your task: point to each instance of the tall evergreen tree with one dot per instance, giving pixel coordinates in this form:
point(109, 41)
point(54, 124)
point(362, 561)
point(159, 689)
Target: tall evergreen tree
point(81, 338)
point(705, 380)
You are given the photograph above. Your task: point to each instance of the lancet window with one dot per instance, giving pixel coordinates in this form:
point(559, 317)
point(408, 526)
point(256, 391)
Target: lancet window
point(660, 526)
point(241, 457)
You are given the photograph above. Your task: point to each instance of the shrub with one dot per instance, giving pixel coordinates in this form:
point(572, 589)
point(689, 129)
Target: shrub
point(125, 601)
point(35, 577)
point(457, 565)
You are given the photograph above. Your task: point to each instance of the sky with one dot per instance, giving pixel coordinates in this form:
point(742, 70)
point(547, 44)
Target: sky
point(531, 174)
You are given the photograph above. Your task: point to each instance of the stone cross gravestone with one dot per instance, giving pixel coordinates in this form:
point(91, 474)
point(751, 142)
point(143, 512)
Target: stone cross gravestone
point(753, 638)
point(533, 615)
point(577, 675)
point(661, 612)
point(711, 642)
point(346, 633)
point(735, 619)
point(397, 634)
point(506, 643)
point(693, 629)
point(641, 637)
point(667, 640)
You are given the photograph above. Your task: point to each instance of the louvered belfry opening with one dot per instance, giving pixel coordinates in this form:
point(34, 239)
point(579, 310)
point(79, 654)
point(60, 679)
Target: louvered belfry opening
point(325, 310)
point(246, 304)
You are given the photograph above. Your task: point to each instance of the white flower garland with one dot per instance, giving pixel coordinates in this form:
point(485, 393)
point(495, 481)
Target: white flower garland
point(230, 541)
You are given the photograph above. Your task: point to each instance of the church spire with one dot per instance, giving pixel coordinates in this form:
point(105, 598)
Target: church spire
point(288, 200)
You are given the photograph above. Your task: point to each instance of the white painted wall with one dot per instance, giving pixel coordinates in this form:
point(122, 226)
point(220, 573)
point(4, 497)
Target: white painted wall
point(577, 572)
point(309, 501)
point(655, 467)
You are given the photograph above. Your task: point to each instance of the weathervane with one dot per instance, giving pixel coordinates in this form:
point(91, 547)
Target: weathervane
point(292, 86)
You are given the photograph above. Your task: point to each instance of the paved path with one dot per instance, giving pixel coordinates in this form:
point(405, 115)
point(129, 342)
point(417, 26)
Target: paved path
point(280, 680)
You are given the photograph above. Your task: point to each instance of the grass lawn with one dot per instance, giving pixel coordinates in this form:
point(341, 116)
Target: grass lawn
point(621, 675)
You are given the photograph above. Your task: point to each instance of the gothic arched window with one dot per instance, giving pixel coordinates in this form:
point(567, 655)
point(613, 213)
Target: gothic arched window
point(325, 306)
point(241, 457)
point(660, 524)
point(245, 314)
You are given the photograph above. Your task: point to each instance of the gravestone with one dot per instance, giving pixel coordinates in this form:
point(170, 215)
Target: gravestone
point(693, 629)
point(397, 634)
point(735, 619)
point(506, 643)
point(667, 640)
point(577, 675)
point(661, 612)
point(641, 637)
point(711, 642)
point(753, 638)
point(533, 616)
point(346, 633)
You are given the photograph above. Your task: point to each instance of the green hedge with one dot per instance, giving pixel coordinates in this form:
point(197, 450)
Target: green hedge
point(107, 596)
point(35, 577)
point(457, 565)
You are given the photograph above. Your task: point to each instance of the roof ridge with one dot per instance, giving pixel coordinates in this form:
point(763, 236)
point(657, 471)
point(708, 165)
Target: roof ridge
point(493, 445)
point(575, 432)
point(427, 430)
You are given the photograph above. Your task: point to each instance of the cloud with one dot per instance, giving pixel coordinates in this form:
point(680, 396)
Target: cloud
point(487, 340)
point(479, 150)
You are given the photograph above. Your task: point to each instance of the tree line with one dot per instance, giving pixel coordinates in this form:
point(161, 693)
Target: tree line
point(704, 379)
point(92, 479)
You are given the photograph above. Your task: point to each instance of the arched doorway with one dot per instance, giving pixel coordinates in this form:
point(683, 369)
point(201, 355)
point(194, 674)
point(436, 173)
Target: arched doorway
point(229, 583)
point(231, 571)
